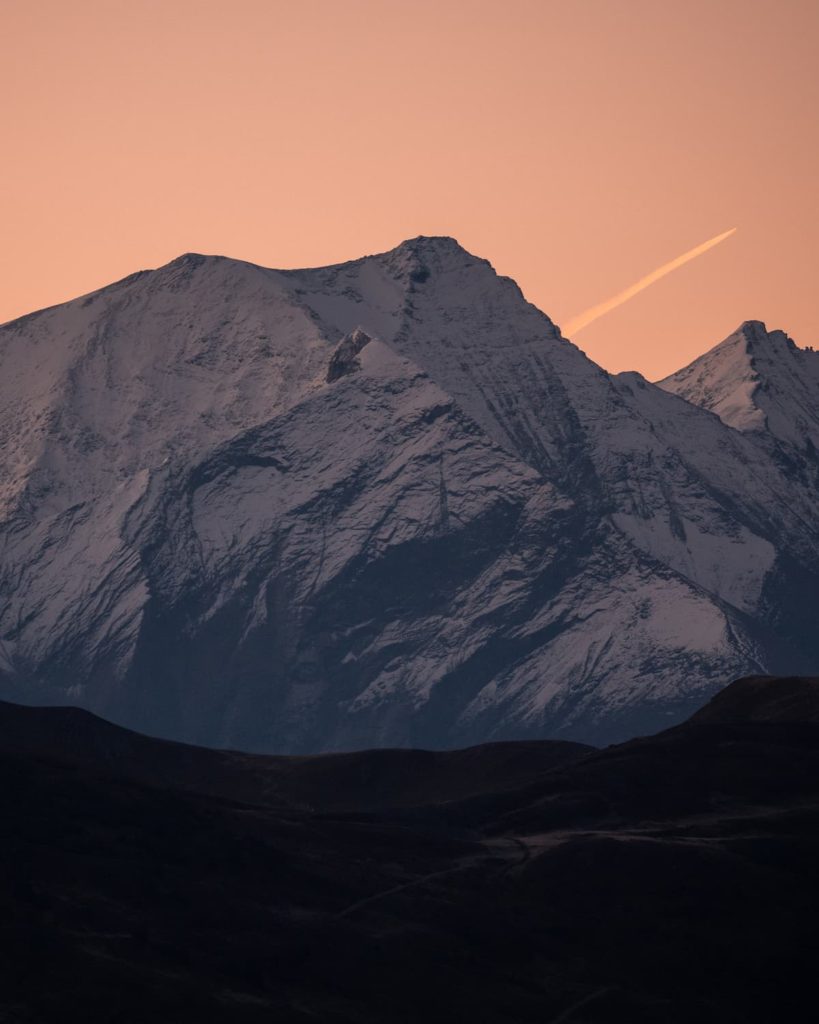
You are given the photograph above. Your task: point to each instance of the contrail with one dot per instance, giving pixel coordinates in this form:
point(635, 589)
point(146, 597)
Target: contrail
point(582, 320)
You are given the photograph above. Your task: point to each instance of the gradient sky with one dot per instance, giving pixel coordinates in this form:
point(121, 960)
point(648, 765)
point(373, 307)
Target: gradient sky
point(576, 144)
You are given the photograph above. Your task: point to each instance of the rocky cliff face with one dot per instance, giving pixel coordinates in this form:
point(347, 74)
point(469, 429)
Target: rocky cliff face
point(382, 503)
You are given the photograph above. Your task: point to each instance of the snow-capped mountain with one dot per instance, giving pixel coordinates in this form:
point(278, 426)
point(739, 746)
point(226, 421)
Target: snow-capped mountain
point(378, 503)
point(757, 381)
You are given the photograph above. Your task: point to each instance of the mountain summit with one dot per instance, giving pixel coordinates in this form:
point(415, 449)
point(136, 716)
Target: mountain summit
point(756, 380)
point(382, 502)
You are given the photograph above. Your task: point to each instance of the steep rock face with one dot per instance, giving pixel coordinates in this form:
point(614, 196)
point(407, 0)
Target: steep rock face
point(378, 503)
point(345, 358)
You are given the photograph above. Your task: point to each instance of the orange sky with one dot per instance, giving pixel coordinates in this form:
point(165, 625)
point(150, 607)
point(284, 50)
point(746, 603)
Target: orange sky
point(576, 144)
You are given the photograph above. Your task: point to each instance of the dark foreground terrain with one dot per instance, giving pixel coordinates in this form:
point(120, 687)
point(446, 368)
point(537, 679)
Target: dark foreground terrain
point(667, 879)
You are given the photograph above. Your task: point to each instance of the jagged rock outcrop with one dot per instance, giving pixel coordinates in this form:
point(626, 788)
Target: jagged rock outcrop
point(345, 358)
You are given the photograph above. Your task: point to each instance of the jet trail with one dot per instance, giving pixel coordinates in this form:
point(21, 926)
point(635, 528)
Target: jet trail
point(582, 320)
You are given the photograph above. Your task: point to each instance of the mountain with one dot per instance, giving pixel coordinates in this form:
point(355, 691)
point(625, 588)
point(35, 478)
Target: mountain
point(759, 382)
point(379, 503)
point(517, 882)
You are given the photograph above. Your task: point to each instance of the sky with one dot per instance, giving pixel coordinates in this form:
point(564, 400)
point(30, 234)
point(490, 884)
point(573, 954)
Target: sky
point(576, 145)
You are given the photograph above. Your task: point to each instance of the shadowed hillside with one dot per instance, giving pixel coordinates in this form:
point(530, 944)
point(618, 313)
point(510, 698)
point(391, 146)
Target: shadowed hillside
point(670, 878)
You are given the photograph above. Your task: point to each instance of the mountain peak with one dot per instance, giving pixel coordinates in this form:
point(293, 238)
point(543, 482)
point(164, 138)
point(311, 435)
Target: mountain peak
point(756, 380)
point(759, 339)
point(753, 334)
point(436, 252)
point(192, 258)
point(752, 328)
point(433, 243)
point(188, 262)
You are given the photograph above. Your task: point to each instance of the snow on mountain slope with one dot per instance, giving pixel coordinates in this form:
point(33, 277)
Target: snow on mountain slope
point(378, 503)
point(756, 381)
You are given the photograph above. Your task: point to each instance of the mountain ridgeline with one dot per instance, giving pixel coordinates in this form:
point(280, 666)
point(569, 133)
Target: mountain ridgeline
point(385, 503)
